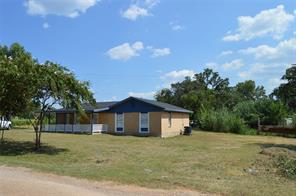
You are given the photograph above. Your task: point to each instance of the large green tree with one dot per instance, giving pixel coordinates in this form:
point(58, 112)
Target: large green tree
point(30, 87)
point(56, 85)
point(206, 89)
point(286, 92)
point(17, 78)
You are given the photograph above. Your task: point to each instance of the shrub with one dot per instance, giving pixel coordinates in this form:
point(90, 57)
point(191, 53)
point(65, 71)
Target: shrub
point(247, 111)
point(20, 122)
point(271, 112)
point(287, 166)
point(222, 121)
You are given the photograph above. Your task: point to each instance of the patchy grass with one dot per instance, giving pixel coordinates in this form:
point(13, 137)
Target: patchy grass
point(211, 162)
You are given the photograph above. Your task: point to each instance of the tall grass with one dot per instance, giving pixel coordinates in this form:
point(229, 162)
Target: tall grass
point(223, 121)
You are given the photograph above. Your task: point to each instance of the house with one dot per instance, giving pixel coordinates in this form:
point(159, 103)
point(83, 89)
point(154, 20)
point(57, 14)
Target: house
point(131, 116)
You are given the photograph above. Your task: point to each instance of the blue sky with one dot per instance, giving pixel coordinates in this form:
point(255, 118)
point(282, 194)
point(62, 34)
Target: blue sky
point(136, 47)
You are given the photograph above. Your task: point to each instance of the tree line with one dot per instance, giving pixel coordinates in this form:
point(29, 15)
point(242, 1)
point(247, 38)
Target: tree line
point(218, 106)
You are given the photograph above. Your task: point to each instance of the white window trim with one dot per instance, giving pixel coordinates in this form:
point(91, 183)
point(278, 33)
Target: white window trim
point(140, 126)
point(116, 123)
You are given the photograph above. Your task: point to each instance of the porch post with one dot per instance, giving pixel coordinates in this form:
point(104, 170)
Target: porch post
point(48, 121)
point(65, 121)
point(91, 120)
point(73, 121)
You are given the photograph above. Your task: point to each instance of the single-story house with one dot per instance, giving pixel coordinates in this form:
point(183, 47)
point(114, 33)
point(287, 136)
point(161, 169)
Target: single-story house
point(131, 116)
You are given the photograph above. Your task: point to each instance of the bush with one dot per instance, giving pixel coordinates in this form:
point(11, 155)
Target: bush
point(223, 121)
point(20, 122)
point(271, 112)
point(247, 111)
point(287, 166)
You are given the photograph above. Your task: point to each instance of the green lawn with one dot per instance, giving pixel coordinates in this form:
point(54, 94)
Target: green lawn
point(209, 162)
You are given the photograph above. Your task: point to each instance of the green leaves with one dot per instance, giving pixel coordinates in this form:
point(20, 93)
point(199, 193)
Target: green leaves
point(286, 92)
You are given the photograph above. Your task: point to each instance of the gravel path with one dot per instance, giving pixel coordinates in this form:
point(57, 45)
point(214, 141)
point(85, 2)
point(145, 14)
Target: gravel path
point(18, 181)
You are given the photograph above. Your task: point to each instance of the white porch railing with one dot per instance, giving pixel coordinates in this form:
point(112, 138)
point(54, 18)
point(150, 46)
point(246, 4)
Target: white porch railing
point(75, 128)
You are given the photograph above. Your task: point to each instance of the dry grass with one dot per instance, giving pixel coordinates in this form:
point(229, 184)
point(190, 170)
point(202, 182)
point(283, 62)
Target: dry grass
point(209, 162)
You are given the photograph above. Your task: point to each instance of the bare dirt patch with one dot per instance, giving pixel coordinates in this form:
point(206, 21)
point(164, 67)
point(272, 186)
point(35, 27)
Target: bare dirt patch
point(21, 181)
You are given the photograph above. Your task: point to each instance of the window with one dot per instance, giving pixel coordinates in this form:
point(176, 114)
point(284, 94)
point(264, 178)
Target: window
point(170, 119)
point(144, 122)
point(119, 118)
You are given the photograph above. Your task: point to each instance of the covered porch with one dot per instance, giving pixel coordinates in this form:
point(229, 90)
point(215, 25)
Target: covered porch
point(71, 122)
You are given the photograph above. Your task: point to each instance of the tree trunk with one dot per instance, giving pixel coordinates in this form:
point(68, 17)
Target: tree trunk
point(36, 137)
point(38, 130)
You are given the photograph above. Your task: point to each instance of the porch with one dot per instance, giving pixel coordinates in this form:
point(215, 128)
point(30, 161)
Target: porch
point(71, 122)
point(75, 128)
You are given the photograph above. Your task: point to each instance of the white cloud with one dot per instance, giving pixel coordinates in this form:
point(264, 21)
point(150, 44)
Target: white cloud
point(45, 25)
point(235, 64)
point(284, 52)
point(212, 65)
point(68, 8)
point(274, 22)
point(176, 75)
point(225, 53)
point(158, 52)
point(134, 11)
point(175, 26)
point(125, 51)
point(147, 95)
point(138, 9)
point(274, 82)
point(151, 3)
point(255, 69)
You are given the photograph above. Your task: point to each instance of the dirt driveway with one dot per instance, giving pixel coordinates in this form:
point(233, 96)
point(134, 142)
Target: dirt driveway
point(22, 181)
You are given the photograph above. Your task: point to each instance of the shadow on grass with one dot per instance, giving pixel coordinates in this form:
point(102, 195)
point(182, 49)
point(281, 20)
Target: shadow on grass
point(286, 146)
point(14, 148)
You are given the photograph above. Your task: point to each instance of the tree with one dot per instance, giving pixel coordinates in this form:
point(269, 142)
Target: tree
point(286, 92)
point(247, 91)
point(16, 73)
point(247, 111)
point(205, 90)
point(164, 95)
point(26, 86)
point(56, 85)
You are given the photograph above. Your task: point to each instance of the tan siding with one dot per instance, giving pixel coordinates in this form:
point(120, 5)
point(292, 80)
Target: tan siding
point(107, 118)
point(131, 123)
point(179, 120)
point(155, 123)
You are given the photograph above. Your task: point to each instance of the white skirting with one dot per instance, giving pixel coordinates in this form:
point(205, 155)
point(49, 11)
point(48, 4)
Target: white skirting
point(75, 128)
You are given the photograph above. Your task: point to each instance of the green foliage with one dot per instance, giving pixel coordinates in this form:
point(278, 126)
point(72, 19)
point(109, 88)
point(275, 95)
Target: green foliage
point(287, 166)
point(248, 91)
point(247, 111)
point(26, 85)
point(222, 121)
point(20, 122)
point(270, 112)
point(16, 71)
point(286, 92)
point(209, 91)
